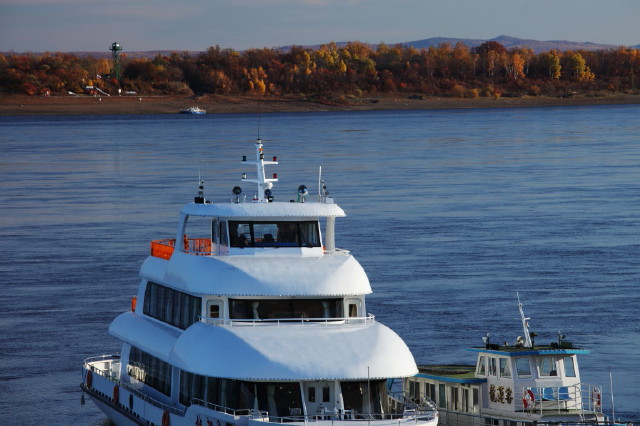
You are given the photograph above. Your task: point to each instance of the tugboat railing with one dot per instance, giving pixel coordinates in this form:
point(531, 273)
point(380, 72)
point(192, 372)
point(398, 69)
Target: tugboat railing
point(326, 322)
point(581, 397)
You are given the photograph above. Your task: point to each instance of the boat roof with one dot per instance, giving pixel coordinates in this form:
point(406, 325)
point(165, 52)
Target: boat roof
point(538, 350)
point(257, 211)
point(455, 373)
point(337, 275)
point(279, 353)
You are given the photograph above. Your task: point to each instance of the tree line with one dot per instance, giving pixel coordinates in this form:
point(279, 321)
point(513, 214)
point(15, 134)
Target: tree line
point(332, 72)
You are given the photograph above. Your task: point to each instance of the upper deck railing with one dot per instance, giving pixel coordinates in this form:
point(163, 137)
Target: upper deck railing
point(163, 249)
point(323, 322)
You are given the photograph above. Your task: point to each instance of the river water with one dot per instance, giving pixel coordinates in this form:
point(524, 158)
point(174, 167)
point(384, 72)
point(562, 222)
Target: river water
point(450, 213)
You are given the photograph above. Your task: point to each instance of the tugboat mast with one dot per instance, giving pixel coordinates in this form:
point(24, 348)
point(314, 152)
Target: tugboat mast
point(525, 325)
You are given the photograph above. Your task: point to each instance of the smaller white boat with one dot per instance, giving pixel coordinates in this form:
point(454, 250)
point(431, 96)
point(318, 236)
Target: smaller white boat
point(193, 110)
point(511, 384)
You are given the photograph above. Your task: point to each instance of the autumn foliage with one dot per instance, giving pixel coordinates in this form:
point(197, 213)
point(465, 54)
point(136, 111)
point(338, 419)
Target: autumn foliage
point(333, 72)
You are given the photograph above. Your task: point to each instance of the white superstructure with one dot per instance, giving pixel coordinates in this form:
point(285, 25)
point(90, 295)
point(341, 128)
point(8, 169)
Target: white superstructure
point(251, 314)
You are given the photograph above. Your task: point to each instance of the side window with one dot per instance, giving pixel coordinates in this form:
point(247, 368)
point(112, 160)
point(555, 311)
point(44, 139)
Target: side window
point(215, 309)
point(547, 367)
point(480, 368)
point(523, 368)
point(493, 371)
point(505, 371)
point(354, 308)
point(569, 368)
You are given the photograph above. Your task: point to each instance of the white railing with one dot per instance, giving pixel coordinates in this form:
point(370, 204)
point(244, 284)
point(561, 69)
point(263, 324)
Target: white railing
point(582, 397)
point(322, 322)
point(107, 372)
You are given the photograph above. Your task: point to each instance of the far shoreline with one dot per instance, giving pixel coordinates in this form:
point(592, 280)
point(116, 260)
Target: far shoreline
point(22, 105)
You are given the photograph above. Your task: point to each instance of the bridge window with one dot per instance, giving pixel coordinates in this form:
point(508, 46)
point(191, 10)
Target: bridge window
point(547, 366)
point(505, 371)
point(569, 368)
point(480, 369)
point(274, 234)
point(523, 367)
point(284, 308)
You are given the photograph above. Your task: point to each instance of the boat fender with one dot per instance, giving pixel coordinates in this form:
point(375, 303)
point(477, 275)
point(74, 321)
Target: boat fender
point(528, 399)
point(89, 379)
point(130, 401)
point(596, 396)
point(116, 394)
point(166, 419)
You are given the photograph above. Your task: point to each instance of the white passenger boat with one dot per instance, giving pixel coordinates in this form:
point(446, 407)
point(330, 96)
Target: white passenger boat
point(251, 315)
point(193, 110)
point(516, 384)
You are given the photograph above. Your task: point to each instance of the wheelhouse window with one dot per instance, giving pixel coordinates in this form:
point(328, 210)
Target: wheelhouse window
point(505, 371)
point(493, 371)
point(523, 367)
point(284, 308)
point(569, 367)
point(547, 367)
point(274, 234)
point(480, 368)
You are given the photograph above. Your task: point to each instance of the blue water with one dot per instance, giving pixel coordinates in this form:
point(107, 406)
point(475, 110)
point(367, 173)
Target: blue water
point(450, 213)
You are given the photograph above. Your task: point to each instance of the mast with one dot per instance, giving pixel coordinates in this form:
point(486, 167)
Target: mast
point(264, 184)
point(525, 325)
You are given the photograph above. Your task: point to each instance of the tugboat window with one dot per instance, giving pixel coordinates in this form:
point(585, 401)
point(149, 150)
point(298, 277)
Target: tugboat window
point(523, 368)
point(504, 368)
point(547, 366)
point(480, 370)
point(274, 234)
point(569, 369)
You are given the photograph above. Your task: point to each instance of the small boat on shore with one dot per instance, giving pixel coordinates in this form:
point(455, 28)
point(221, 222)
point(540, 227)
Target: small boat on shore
point(193, 110)
point(511, 385)
point(251, 316)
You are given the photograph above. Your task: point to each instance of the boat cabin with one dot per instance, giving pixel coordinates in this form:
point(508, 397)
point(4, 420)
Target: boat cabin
point(511, 384)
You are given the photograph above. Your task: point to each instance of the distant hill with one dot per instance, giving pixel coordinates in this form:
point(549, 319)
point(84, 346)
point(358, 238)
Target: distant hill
point(513, 42)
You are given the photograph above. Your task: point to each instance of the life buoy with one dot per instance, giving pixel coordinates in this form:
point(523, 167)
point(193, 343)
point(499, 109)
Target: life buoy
point(89, 379)
point(528, 399)
point(596, 396)
point(116, 394)
point(166, 419)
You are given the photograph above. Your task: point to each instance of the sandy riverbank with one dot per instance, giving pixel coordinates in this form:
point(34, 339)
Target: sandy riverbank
point(216, 104)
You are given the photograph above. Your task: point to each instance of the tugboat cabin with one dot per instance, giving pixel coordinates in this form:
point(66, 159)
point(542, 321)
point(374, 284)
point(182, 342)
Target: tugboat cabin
point(511, 385)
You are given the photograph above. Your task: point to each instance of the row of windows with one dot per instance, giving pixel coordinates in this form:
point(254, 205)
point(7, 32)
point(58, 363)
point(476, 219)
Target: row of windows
point(171, 306)
point(546, 367)
point(149, 370)
point(285, 308)
point(455, 400)
point(274, 234)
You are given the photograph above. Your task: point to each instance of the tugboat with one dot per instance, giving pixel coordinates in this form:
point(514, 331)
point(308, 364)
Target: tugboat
point(251, 315)
point(511, 385)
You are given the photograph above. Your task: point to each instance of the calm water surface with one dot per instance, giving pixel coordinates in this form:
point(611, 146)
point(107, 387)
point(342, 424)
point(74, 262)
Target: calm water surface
point(450, 213)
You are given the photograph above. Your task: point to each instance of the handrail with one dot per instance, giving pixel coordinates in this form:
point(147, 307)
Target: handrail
point(221, 322)
point(581, 397)
point(113, 378)
point(163, 249)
